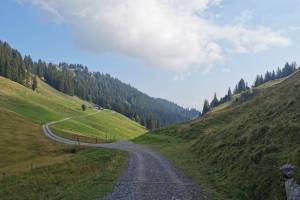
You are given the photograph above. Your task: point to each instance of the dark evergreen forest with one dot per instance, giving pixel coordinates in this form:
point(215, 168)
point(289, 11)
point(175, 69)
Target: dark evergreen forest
point(96, 87)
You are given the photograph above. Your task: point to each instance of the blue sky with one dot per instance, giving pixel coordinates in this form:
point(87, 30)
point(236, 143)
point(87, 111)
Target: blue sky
point(34, 30)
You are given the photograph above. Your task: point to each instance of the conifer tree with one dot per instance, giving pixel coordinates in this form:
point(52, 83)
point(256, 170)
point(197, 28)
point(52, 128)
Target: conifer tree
point(229, 93)
point(34, 83)
point(214, 102)
point(83, 107)
point(206, 107)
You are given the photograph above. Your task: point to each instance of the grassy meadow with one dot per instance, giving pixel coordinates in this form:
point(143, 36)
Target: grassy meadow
point(47, 104)
point(43, 105)
point(236, 152)
point(34, 167)
point(105, 124)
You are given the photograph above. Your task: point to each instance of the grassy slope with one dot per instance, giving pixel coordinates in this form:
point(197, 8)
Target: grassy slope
point(33, 167)
point(236, 152)
point(237, 96)
point(106, 125)
point(47, 104)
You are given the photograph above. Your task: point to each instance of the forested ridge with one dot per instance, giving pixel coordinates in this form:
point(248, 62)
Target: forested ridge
point(96, 87)
point(242, 86)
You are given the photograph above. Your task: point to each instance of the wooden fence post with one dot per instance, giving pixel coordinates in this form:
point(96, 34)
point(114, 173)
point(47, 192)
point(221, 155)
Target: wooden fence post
point(78, 141)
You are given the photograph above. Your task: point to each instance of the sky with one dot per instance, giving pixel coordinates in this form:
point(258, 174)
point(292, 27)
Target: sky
point(180, 50)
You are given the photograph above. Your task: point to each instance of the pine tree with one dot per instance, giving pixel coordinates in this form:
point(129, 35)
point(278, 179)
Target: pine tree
point(273, 75)
point(278, 73)
point(214, 102)
point(83, 107)
point(229, 93)
point(259, 80)
point(206, 107)
point(240, 87)
point(34, 83)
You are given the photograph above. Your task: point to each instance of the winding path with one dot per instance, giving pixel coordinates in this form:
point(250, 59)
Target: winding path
point(148, 176)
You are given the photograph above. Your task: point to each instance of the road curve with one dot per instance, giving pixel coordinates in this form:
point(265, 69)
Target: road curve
point(148, 176)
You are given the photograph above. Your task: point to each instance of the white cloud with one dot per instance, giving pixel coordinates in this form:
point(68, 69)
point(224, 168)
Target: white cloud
point(246, 16)
point(162, 33)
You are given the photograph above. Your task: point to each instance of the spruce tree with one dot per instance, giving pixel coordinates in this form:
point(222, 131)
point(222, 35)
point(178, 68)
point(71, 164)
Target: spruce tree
point(206, 107)
point(34, 83)
point(229, 93)
point(258, 81)
point(83, 107)
point(214, 102)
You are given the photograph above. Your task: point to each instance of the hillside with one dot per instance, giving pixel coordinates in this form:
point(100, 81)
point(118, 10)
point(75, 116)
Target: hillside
point(236, 152)
point(33, 167)
point(37, 164)
point(96, 87)
point(47, 104)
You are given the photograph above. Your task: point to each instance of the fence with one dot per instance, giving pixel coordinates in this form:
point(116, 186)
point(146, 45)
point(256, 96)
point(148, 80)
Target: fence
point(84, 139)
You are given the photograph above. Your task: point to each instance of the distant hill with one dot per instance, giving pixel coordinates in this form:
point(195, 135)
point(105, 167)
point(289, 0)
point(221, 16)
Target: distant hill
point(96, 87)
point(236, 151)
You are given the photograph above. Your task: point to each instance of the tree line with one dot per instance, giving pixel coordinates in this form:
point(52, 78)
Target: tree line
point(96, 87)
point(15, 67)
point(242, 86)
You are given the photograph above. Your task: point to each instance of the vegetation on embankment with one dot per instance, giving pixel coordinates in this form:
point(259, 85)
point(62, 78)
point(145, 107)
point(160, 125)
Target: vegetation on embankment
point(238, 150)
point(33, 167)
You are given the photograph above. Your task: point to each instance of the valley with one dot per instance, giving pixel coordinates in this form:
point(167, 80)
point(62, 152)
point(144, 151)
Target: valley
point(56, 143)
point(236, 152)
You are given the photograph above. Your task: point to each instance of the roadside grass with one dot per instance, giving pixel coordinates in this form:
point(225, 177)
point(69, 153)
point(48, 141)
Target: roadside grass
point(178, 151)
point(76, 136)
point(33, 167)
point(236, 153)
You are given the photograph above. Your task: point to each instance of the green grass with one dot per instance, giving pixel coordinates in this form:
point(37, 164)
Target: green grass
point(33, 167)
point(271, 83)
point(44, 105)
point(236, 97)
point(178, 150)
point(236, 152)
point(48, 104)
point(105, 124)
point(227, 104)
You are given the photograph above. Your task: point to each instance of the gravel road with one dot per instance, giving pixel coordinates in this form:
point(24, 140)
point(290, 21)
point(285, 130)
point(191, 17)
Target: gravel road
point(148, 176)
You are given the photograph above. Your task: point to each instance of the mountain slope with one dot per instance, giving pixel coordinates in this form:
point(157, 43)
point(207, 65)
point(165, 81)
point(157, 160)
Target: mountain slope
point(33, 167)
point(102, 89)
point(237, 151)
point(47, 104)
